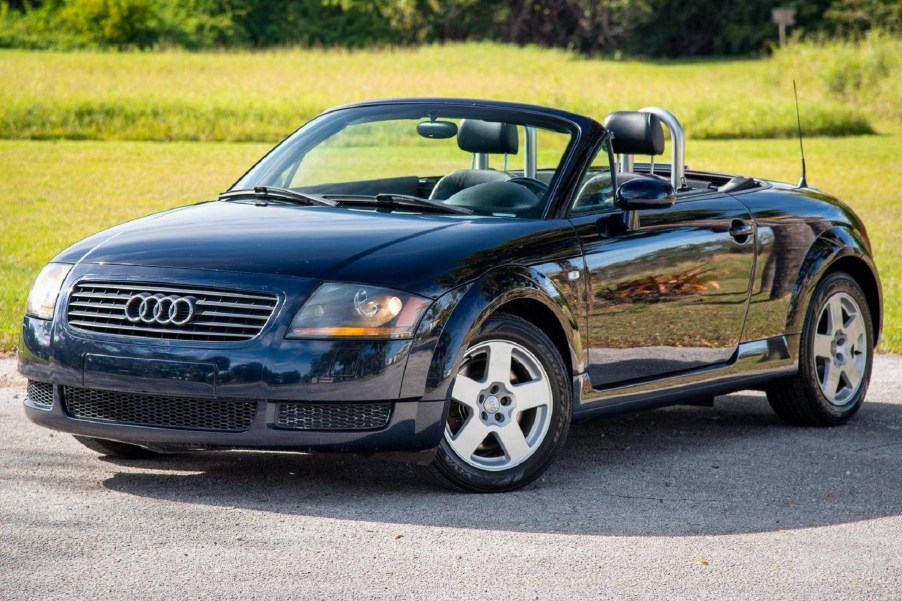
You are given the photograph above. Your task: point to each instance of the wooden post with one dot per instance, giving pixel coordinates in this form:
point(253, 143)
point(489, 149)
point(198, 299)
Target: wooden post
point(783, 17)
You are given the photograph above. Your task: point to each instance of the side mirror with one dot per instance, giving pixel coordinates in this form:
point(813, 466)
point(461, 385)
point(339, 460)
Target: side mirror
point(645, 193)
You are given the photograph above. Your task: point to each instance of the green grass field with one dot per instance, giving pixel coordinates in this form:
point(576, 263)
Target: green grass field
point(261, 96)
point(53, 193)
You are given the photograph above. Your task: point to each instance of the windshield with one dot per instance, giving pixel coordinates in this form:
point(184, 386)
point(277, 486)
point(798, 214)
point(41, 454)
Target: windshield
point(491, 161)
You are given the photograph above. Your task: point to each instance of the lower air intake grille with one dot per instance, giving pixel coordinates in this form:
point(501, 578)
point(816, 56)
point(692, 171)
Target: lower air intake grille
point(40, 393)
point(333, 416)
point(160, 411)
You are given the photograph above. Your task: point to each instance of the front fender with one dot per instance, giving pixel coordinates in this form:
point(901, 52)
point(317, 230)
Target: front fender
point(832, 245)
point(447, 330)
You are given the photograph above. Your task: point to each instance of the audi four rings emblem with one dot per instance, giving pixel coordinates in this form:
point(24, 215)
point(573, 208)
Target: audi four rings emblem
point(160, 309)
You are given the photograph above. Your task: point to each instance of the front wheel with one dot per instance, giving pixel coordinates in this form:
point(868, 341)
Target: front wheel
point(510, 409)
point(835, 357)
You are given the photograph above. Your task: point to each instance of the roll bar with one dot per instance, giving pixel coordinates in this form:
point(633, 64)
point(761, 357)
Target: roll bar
point(530, 166)
point(678, 146)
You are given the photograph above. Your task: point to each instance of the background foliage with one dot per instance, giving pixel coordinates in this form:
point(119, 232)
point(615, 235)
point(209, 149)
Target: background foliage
point(846, 88)
point(647, 27)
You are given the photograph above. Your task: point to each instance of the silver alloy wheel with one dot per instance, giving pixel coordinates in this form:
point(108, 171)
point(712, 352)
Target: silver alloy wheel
point(840, 348)
point(501, 408)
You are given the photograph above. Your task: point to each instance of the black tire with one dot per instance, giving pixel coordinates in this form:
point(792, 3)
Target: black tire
point(117, 449)
point(451, 470)
point(799, 400)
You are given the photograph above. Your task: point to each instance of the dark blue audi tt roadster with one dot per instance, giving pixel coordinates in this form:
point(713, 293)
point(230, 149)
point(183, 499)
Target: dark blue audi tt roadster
point(453, 283)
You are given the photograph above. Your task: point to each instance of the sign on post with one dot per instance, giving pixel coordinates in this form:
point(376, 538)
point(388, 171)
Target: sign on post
point(783, 17)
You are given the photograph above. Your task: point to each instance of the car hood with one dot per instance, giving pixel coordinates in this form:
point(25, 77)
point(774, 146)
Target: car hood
point(422, 253)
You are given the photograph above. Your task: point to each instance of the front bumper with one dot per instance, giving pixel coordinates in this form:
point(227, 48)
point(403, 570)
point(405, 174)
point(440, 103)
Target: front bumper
point(269, 370)
point(414, 426)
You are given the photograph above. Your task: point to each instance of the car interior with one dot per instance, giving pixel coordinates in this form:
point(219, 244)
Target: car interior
point(492, 191)
point(485, 189)
point(488, 190)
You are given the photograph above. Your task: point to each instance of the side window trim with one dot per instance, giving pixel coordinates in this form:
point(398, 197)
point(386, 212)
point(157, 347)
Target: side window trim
point(603, 144)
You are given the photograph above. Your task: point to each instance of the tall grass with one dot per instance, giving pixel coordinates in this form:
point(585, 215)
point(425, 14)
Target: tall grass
point(262, 96)
point(865, 74)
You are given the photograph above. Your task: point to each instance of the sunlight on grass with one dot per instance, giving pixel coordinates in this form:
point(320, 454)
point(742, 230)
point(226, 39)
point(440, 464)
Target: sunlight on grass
point(54, 193)
point(262, 96)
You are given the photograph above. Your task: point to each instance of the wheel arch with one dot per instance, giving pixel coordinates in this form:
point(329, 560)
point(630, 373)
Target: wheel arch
point(541, 316)
point(518, 290)
point(836, 250)
point(867, 279)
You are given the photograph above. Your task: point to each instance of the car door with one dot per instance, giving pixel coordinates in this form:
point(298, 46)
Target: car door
point(670, 295)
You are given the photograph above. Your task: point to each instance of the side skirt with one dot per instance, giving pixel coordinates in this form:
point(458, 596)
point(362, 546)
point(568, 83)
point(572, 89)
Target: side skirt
point(754, 364)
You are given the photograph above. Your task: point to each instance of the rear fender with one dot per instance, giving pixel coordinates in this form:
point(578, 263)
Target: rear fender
point(833, 245)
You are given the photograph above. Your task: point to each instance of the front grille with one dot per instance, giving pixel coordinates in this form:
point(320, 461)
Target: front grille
point(333, 416)
point(40, 393)
point(215, 315)
point(159, 411)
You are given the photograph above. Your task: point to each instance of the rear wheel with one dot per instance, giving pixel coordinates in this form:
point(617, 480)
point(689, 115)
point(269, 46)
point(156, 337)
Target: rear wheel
point(117, 449)
point(835, 357)
point(510, 409)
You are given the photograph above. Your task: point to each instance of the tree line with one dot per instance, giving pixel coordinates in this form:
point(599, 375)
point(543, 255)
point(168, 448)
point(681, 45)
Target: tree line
point(656, 28)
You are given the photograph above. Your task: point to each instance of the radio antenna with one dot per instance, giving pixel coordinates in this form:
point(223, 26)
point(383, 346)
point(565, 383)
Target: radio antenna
point(803, 183)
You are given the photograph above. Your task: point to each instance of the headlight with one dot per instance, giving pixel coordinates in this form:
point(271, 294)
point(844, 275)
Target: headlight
point(355, 311)
point(42, 299)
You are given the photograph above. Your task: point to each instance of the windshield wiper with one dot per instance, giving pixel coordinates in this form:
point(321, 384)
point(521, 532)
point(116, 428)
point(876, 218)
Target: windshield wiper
point(270, 192)
point(403, 201)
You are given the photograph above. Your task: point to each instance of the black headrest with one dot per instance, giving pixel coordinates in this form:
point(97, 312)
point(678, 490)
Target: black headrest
point(487, 137)
point(635, 132)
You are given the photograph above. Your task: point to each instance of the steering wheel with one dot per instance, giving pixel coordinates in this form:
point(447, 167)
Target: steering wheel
point(537, 187)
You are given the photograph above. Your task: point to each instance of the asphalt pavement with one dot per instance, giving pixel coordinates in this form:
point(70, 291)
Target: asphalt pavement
point(679, 503)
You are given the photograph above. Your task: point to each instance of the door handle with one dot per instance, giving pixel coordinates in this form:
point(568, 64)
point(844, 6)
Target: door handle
point(741, 230)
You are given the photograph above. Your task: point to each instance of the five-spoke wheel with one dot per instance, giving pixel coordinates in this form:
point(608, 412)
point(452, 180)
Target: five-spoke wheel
point(840, 348)
point(509, 411)
point(501, 406)
point(835, 355)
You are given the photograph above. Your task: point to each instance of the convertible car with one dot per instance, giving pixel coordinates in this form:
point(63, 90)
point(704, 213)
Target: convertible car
point(453, 283)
